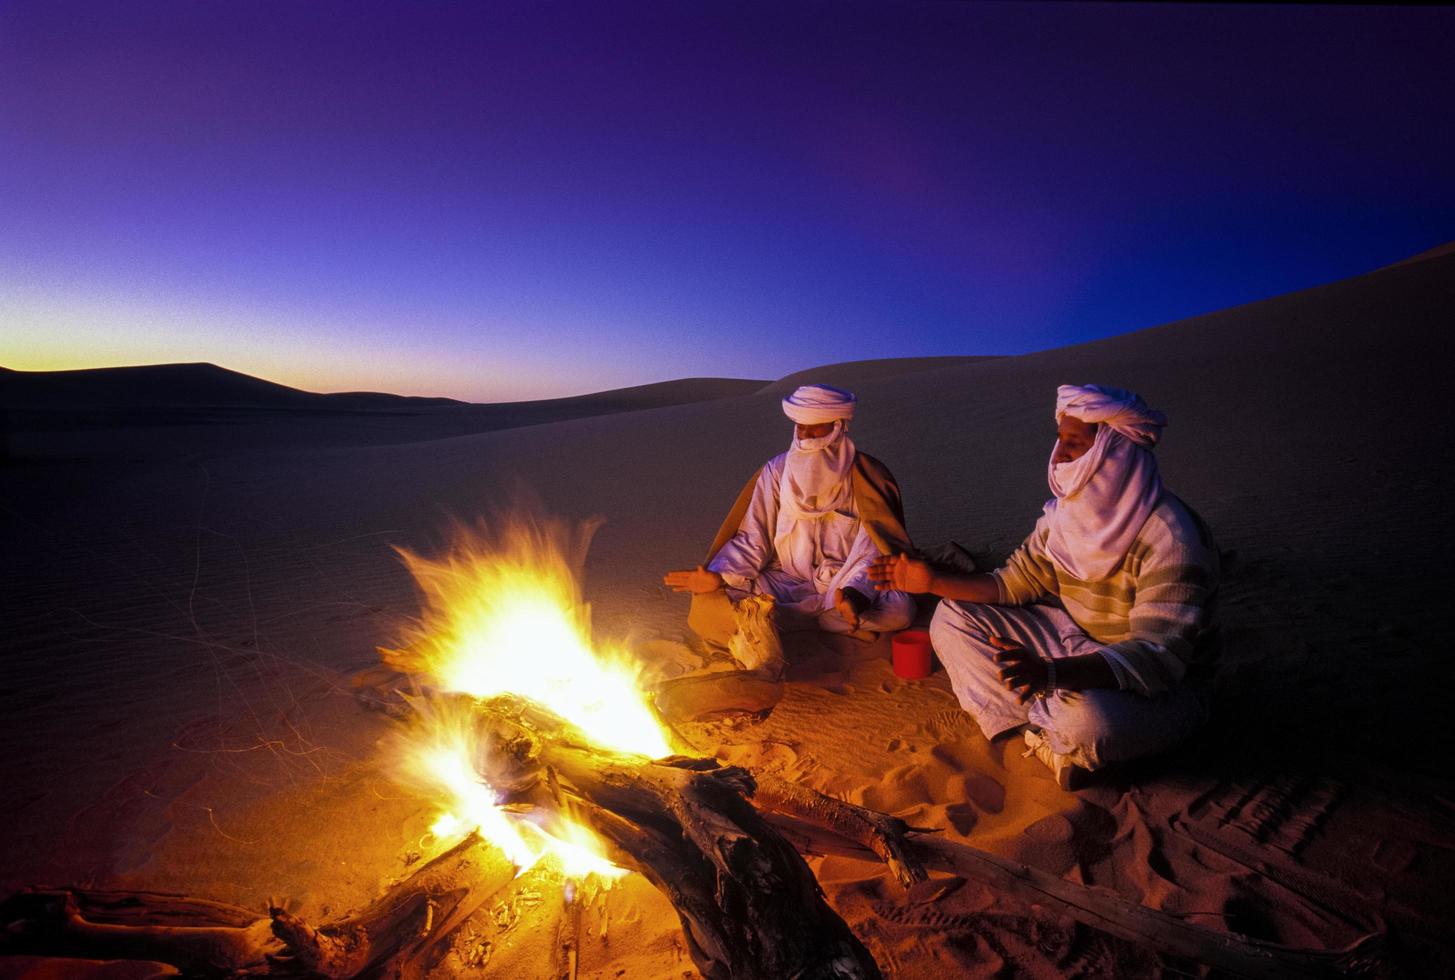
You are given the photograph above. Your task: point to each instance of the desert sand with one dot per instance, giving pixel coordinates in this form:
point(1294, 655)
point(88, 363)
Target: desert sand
point(193, 604)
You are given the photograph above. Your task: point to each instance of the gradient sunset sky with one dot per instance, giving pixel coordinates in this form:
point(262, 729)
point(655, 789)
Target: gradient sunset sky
point(497, 202)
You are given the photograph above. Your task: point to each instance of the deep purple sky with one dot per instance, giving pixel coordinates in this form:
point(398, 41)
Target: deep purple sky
point(500, 202)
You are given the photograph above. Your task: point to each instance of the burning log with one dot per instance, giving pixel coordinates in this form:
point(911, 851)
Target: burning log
point(404, 926)
point(748, 904)
point(640, 805)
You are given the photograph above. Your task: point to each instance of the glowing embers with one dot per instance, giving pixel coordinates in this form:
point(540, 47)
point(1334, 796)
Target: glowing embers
point(503, 614)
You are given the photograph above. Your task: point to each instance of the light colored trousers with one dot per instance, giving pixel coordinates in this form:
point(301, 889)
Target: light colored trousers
point(711, 616)
point(1093, 727)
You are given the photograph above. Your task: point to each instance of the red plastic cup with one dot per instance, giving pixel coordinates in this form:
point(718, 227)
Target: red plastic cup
point(912, 656)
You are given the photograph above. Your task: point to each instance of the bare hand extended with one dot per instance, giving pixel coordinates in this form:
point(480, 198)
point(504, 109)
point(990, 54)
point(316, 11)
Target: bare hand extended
point(901, 572)
point(851, 604)
point(1021, 671)
point(695, 580)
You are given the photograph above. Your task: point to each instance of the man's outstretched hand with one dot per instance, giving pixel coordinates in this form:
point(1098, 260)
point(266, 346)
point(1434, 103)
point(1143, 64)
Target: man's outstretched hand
point(695, 580)
point(851, 604)
point(902, 573)
point(1021, 671)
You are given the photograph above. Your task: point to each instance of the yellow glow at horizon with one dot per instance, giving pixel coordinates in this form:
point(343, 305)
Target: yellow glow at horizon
point(43, 333)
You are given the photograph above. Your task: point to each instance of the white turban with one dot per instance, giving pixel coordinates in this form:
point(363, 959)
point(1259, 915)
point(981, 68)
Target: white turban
point(1103, 498)
point(813, 404)
point(1121, 410)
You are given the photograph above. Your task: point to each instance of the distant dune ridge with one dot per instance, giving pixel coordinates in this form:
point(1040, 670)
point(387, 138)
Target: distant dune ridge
point(191, 609)
point(161, 410)
point(176, 385)
point(204, 385)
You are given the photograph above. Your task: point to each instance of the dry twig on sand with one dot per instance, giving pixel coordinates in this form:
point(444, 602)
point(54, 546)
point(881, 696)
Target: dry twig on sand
point(749, 905)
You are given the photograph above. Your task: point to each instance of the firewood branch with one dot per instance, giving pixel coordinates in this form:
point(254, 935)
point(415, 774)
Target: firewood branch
point(749, 905)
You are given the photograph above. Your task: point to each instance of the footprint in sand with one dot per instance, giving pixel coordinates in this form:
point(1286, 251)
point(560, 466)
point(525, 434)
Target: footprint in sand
point(1048, 842)
point(968, 757)
point(899, 789)
point(962, 817)
point(986, 793)
point(957, 755)
point(1051, 829)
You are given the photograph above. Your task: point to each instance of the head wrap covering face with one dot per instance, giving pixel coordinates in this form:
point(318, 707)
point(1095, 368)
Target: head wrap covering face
point(1103, 497)
point(816, 473)
point(817, 478)
point(815, 404)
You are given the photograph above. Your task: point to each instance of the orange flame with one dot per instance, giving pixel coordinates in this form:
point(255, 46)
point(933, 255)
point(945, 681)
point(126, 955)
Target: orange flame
point(502, 614)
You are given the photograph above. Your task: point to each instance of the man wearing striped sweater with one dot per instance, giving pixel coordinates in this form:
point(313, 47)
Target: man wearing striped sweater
point(1088, 639)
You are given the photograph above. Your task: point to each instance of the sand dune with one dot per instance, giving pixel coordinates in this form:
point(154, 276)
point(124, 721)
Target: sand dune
point(176, 386)
point(851, 374)
point(169, 410)
point(181, 635)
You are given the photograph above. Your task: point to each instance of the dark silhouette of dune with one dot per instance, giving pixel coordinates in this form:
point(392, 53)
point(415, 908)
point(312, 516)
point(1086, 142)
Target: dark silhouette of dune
point(165, 410)
point(204, 385)
point(174, 385)
point(162, 410)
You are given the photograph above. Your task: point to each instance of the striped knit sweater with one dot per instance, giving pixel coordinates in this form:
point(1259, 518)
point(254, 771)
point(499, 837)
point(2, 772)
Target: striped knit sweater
point(1149, 613)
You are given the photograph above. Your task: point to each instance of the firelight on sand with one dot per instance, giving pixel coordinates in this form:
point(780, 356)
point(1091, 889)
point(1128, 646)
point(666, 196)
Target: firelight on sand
point(503, 614)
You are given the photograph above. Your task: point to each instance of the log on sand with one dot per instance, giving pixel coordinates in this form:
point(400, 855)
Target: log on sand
point(749, 905)
point(204, 938)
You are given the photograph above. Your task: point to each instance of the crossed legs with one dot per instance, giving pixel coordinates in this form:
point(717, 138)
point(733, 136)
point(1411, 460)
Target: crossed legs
point(1091, 728)
point(798, 608)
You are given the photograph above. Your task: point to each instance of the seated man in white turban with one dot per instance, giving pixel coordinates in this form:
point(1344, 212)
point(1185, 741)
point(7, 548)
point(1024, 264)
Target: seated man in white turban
point(795, 550)
point(1088, 637)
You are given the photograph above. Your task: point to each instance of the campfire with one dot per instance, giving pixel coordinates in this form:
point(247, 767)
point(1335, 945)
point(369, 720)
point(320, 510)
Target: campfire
point(540, 745)
point(517, 701)
point(503, 615)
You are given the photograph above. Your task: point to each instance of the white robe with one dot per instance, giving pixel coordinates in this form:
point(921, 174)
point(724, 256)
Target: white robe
point(839, 551)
